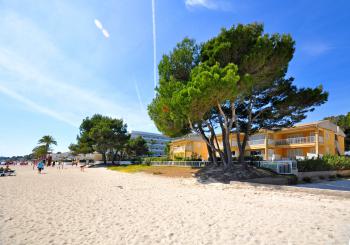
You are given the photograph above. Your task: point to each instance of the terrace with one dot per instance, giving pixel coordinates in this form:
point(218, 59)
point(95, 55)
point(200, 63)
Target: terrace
point(298, 140)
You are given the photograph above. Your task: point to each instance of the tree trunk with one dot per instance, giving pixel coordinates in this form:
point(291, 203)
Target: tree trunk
point(104, 157)
point(241, 148)
point(227, 147)
point(211, 153)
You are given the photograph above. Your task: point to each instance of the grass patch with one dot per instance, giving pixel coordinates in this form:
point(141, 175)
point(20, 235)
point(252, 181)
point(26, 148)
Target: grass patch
point(130, 168)
point(168, 171)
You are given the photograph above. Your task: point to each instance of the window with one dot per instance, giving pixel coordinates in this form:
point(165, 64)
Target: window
point(292, 153)
point(257, 137)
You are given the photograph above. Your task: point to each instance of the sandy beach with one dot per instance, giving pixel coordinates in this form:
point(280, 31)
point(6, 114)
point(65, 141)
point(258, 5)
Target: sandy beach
point(101, 206)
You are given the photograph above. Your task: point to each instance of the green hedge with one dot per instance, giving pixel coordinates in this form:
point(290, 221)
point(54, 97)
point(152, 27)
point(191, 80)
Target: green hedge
point(327, 163)
point(148, 160)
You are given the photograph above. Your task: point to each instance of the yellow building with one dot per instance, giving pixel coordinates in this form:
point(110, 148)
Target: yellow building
point(301, 141)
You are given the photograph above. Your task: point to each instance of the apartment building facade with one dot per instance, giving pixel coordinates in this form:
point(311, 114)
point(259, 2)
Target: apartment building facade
point(156, 142)
point(301, 141)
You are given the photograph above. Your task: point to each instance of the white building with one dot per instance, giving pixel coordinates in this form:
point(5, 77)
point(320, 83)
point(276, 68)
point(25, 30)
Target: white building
point(156, 142)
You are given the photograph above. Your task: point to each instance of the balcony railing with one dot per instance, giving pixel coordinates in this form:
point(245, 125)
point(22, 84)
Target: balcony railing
point(297, 140)
point(182, 149)
point(256, 142)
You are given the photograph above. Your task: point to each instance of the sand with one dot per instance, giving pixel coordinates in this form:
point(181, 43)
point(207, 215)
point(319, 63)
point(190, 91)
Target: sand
point(101, 206)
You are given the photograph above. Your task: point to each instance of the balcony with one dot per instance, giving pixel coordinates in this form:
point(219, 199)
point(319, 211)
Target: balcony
point(298, 140)
point(181, 149)
point(256, 142)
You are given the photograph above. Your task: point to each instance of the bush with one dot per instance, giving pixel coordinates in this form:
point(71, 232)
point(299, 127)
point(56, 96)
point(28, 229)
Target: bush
point(148, 160)
point(332, 177)
point(249, 159)
point(292, 179)
point(327, 163)
point(307, 179)
point(310, 165)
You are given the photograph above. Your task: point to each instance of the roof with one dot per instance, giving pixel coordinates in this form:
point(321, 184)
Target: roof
point(326, 124)
point(194, 137)
point(148, 133)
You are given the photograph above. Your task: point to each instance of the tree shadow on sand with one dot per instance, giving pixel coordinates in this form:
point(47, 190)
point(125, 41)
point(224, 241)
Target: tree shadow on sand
point(240, 173)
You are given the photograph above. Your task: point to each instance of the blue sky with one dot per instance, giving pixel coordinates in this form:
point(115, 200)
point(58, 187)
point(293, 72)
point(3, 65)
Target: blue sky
point(57, 67)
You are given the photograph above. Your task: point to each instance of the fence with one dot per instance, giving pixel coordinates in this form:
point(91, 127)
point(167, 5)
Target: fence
point(280, 167)
point(197, 164)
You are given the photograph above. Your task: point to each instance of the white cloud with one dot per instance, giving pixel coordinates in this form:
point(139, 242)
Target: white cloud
point(98, 24)
point(201, 3)
point(105, 33)
point(100, 27)
point(223, 5)
point(36, 73)
point(31, 104)
point(316, 48)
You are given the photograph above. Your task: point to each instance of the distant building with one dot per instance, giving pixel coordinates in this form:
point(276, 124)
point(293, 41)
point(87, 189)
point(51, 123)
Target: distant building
point(156, 142)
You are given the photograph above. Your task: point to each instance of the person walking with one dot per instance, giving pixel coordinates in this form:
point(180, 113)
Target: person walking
point(41, 166)
point(82, 166)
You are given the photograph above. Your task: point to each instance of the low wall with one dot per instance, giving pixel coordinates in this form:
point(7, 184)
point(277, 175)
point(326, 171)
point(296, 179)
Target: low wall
point(316, 174)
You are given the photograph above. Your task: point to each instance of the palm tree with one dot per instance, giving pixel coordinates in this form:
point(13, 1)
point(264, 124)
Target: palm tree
point(47, 141)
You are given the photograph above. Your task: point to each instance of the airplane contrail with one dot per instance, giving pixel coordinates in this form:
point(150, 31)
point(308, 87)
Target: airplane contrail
point(154, 43)
point(35, 106)
point(139, 97)
point(100, 27)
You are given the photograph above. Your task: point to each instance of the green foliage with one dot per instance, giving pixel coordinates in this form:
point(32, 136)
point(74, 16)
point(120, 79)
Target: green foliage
point(102, 134)
point(292, 179)
point(327, 163)
point(236, 81)
point(47, 141)
point(137, 147)
point(44, 146)
point(179, 63)
point(129, 168)
point(208, 87)
point(307, 179)
point(39, 151)
point(148, 160)
point(332, 177)
point(174, 72)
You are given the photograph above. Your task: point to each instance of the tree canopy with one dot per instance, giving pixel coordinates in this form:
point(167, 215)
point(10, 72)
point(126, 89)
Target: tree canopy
point(109, 137)
point(235, 82)
point(137, 147)
point(44, 146)
point(102, 134)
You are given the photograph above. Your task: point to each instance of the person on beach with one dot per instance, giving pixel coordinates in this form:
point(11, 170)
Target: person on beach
point(41, 166)
point(60, 165)
point(82, 166)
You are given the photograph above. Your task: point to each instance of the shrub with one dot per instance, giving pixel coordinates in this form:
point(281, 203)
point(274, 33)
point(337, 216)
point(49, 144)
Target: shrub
point(310, 165)
point(148, 160)
point(307, 179)
point(332, 177)
point(292, 179)
point(328, 162)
